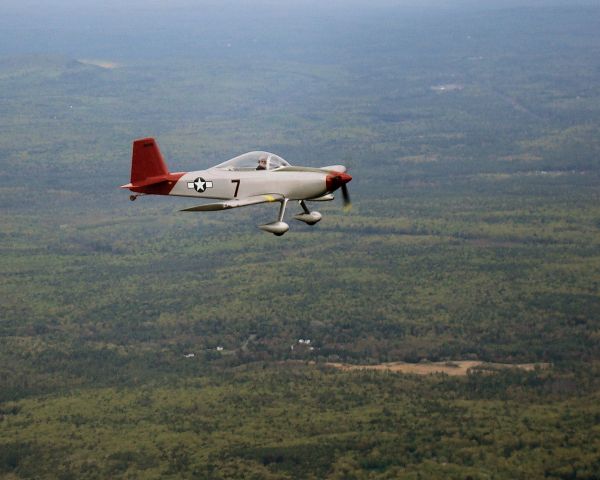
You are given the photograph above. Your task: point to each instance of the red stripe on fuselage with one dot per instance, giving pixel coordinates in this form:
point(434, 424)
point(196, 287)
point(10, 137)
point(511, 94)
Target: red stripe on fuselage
point(160, 188)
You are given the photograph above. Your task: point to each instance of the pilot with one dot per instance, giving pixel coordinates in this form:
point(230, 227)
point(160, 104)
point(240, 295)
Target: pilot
point(262, 163)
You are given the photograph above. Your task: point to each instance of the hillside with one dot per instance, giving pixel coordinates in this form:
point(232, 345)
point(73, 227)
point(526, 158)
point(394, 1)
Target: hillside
point(474, 236)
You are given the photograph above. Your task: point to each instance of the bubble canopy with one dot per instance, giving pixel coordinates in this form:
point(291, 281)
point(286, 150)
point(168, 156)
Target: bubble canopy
point(254, 161)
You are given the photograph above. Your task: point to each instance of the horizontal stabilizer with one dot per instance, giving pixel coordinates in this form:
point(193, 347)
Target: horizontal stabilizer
point(169, 177)
point(243, 202)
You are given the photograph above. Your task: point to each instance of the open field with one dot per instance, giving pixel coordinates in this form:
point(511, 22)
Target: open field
point(457, 368)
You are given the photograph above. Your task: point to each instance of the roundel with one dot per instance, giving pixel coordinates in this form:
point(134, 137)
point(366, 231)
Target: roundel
point(200, 184)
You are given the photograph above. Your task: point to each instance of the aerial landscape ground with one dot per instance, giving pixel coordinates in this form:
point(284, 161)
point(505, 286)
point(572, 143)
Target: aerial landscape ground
point(137, 341)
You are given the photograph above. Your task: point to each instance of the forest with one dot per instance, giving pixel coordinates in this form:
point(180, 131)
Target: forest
point(137, 341)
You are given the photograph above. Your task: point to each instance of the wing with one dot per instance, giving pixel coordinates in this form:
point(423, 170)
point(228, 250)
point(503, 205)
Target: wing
point(242, 202)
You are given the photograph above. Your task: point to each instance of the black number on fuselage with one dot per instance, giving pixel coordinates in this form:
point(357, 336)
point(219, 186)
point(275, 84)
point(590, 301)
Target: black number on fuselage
point(237, 187)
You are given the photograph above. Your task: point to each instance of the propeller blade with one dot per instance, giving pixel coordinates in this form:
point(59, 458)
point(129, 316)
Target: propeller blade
point(336, 180)
point(346, 197)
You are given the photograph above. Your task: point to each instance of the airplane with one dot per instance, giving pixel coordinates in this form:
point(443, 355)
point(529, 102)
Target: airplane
point(248, 179)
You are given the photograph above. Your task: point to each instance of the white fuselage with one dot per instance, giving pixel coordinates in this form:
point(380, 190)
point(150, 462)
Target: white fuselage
point(226, 185)
point(249, 179)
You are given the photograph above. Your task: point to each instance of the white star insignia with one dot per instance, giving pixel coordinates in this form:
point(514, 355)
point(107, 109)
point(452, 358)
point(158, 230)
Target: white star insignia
point(200, 184)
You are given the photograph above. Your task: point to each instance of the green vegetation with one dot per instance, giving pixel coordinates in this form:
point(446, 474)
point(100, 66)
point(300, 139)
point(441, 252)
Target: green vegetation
point(475, 234)
point(292, 420)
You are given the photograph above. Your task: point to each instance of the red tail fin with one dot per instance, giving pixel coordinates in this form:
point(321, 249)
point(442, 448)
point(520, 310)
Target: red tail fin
point(146, 160)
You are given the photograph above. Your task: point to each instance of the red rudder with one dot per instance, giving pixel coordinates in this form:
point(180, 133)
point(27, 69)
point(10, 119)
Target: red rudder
point(146, 160)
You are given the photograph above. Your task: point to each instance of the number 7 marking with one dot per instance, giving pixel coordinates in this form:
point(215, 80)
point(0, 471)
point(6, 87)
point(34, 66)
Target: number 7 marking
point(237, 187)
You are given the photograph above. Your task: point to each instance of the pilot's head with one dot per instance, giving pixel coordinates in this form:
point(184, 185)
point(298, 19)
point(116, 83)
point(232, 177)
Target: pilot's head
point(262, 162)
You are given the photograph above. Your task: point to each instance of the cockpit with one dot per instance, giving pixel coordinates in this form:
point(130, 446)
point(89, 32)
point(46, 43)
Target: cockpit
point(254, 161)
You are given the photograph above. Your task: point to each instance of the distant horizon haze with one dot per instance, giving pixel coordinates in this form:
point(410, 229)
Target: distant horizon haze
point(139, 29)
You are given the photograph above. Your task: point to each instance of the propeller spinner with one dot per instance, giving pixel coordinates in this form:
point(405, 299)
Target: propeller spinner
point(339, 180)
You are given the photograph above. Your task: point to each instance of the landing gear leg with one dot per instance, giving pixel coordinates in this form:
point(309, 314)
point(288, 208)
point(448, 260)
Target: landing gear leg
point(278, 227)
point(282, 209)
point(304, 207)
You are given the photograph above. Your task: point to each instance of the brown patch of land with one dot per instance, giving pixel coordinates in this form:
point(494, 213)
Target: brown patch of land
point(457, 368)
point(100, 63)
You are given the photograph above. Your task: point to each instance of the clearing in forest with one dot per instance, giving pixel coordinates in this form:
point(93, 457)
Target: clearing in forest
point(454, 368)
